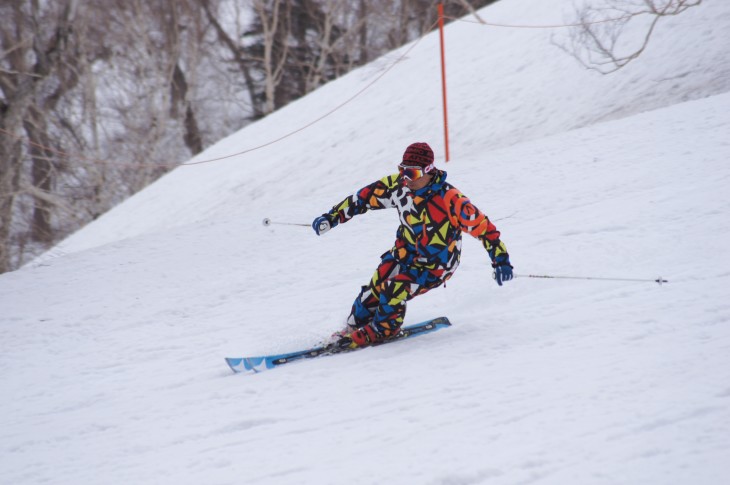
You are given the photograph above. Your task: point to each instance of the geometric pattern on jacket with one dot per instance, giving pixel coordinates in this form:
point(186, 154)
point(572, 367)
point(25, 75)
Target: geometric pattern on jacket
point(431, 221)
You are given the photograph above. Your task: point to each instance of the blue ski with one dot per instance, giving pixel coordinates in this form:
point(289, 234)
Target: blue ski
point(265, 362)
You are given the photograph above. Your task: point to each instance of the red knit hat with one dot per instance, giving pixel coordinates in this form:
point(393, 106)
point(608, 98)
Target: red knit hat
point(418, 155)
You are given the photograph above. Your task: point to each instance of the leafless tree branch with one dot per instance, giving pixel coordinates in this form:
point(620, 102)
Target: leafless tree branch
point(596, 43)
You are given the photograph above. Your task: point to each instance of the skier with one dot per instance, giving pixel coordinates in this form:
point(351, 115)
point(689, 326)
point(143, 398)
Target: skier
point(427, 249)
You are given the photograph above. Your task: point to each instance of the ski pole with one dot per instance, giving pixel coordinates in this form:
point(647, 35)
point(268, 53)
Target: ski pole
point(658, 280)
point(267, 222)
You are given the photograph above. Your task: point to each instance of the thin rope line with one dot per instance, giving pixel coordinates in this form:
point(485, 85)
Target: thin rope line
point(328, 113)
point(547, 26)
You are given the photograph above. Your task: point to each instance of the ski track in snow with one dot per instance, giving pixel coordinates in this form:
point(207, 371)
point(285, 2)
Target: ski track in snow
point(112, 346)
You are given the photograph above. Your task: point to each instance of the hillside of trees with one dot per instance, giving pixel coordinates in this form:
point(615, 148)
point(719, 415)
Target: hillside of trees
point(99, 99)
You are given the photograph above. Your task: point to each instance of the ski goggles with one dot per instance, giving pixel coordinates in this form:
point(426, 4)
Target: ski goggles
point(413, 173)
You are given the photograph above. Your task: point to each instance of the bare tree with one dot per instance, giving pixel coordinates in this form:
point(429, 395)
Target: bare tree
point(273, 18)
point(81, 84)
point(35, 73)
point(598, 42)
point(232, 43)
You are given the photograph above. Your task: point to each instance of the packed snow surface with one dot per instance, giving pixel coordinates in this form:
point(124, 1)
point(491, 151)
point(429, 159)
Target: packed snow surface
point(112, 345)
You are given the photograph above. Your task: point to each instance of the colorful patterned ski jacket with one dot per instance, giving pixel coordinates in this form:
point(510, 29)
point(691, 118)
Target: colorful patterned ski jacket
point(432, 220)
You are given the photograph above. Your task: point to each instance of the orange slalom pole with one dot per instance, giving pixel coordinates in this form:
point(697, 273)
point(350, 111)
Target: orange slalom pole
point(443, 79)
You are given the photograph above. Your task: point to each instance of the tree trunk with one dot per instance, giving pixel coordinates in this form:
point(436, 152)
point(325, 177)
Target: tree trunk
point(41, 176)
point(179, 95)
point(364, 52)
point(10, 160)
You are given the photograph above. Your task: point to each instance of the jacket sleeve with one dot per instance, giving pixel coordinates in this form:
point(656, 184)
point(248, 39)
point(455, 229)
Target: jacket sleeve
point(467, 217)
point(378, 195)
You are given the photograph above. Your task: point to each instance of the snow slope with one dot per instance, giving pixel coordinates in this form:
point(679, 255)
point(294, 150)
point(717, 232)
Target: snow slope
point(111, 354)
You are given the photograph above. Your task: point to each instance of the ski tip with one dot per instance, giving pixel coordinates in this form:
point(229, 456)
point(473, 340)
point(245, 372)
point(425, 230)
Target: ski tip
point(235, 364)
point(248, 364)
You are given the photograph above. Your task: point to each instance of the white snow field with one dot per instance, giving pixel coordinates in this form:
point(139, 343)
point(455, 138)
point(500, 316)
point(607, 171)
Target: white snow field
point(112, 345)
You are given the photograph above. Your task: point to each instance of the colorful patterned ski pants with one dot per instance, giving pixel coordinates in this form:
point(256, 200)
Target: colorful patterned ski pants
point(382, 302)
